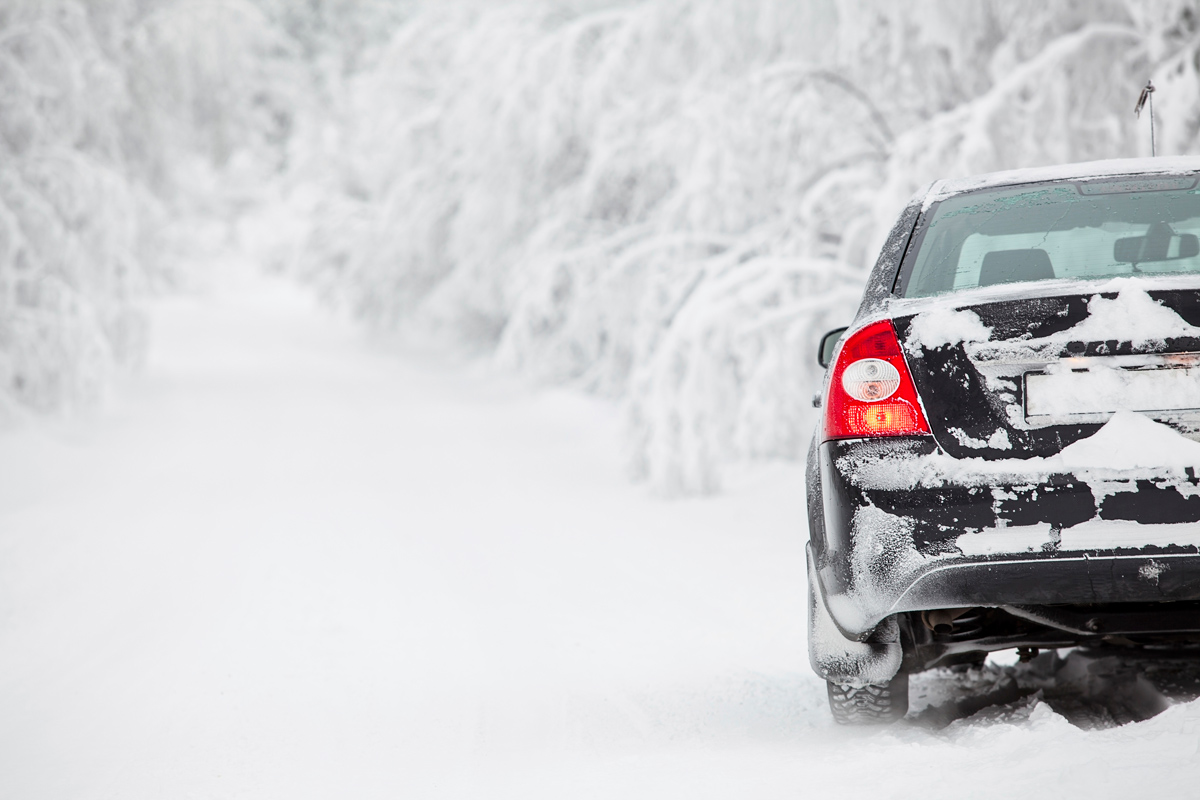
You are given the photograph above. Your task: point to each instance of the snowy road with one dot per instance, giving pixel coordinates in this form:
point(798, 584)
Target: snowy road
point(284, 565)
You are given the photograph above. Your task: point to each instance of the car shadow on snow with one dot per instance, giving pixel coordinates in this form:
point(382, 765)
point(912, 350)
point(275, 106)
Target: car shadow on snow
point(1091, 688)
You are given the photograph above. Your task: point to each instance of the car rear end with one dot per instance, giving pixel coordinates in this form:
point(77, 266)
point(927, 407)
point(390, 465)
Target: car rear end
point(1009, 450)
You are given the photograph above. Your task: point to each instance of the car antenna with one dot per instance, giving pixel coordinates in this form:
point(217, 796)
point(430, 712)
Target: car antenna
point(1147, 96)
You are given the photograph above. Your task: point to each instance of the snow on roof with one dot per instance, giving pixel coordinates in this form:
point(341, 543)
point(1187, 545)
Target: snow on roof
point(1088, 169)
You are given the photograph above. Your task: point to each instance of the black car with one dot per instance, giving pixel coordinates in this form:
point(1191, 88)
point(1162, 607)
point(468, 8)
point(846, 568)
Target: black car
point(1010, 432)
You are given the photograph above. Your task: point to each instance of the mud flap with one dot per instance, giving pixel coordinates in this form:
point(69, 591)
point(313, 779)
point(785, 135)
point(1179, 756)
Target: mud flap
point(874, 660)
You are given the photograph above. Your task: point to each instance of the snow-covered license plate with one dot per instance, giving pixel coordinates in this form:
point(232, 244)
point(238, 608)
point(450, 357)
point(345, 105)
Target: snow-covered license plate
point(1106, 389)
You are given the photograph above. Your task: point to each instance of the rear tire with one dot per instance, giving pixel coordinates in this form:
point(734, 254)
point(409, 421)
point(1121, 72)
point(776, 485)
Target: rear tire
point(873, 704)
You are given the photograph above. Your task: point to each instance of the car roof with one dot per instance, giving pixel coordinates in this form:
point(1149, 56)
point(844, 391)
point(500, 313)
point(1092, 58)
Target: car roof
point(1171, 165)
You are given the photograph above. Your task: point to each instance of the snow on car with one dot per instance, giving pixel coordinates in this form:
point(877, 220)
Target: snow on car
point(1010, 437)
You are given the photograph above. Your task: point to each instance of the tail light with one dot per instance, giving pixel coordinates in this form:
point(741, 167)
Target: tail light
point(871, 392)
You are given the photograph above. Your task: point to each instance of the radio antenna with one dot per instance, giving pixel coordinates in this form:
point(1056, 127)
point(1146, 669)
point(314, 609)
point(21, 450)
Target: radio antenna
point(1147, 96)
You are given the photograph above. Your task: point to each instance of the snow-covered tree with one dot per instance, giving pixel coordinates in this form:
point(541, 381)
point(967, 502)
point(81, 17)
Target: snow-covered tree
point(106, 109)
point(660, 201)
point(668, 201)
point(70, 244)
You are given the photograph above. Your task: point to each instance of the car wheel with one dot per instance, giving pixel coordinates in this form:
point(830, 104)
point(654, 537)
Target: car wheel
point(872, 704)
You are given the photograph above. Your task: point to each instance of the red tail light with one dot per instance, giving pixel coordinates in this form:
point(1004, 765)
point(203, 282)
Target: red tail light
point(871, 392)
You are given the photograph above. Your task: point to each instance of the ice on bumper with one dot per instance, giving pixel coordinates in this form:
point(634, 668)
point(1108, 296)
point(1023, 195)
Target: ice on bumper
point(836, 657)
point(1128, 441)
point(886, 561)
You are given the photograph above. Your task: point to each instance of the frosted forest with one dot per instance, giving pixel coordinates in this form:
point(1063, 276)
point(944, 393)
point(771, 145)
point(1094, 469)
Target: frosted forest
point(410, 398)
point(663, 203)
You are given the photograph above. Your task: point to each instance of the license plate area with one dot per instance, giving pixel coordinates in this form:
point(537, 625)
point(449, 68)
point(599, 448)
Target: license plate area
point(1097, 391)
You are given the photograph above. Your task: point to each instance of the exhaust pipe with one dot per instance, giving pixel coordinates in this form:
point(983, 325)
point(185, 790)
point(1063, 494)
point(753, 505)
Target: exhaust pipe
point(941, 620)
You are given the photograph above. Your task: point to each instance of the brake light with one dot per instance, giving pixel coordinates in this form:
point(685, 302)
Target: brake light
point(871, 392)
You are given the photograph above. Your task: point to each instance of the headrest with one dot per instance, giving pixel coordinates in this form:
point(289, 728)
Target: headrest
point(1011, 266)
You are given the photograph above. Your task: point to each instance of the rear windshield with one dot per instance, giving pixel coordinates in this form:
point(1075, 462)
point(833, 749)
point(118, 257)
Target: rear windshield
point(1085, 230)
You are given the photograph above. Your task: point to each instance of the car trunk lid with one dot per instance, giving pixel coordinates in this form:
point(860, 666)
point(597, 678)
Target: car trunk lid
point(1018, 376)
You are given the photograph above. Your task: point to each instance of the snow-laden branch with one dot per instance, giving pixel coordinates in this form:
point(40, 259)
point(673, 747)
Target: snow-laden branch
point(669, 202)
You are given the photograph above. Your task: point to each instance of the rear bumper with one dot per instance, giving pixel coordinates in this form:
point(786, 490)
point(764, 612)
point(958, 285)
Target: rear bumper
point(907, 528)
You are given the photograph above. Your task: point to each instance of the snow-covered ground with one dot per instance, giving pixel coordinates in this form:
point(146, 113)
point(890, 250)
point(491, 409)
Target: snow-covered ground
point(285, 564)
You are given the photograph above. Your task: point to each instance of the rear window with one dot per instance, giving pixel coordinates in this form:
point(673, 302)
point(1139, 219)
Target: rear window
point(1085, 230)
